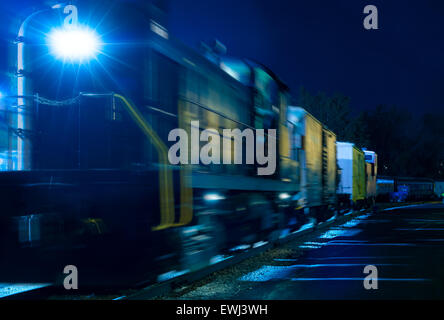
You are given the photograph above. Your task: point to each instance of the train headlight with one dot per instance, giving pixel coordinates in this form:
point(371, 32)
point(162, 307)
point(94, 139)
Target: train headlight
point(213, 197)
point(75, 44)
point(284, 196)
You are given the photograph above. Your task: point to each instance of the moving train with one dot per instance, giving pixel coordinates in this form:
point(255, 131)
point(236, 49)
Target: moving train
point(89, 182)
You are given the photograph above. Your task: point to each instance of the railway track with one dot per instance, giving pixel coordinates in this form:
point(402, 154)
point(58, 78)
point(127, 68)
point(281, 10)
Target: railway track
point(163, 288)
point(170, 282)
point(25, 290)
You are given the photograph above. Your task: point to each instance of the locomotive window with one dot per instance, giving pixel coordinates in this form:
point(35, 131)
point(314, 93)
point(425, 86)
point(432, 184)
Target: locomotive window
point(164, 83)
point(161, 92)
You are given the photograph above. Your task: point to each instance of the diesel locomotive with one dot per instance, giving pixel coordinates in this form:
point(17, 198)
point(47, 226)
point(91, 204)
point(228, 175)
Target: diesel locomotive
point(88, 181)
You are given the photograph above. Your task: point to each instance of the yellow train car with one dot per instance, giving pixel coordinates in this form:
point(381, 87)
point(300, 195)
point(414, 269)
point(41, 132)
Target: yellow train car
point(371, 171)
point(329, 167)
point(359, 184)
point(317, 161)
point(352, 184)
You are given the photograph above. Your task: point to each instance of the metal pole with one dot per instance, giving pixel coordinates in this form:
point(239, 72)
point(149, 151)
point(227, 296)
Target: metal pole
point(23, 123)
point(24, 118)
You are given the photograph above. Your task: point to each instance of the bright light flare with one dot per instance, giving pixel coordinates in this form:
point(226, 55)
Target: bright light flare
point(213, 197)
point(284, 196)
point(75, 44)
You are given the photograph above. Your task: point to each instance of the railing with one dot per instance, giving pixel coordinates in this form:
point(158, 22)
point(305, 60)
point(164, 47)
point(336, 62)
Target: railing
point(166, 191)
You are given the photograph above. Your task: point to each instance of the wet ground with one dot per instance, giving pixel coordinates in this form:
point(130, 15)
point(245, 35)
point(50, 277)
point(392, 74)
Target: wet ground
point(406, 246)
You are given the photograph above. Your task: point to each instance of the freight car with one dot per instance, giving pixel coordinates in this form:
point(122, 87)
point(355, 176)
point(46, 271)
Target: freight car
point(385, 186)
point(416, 188)
point(439, 189)
point(352, 185)
point(317, 158)
point(371, 170)
point(405, 188)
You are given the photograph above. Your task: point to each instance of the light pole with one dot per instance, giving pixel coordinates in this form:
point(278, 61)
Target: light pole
point(72, 43)
point(24, 119)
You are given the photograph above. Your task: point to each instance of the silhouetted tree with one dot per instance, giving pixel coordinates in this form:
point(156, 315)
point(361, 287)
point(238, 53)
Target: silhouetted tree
point(407, 145)
point(334, 112)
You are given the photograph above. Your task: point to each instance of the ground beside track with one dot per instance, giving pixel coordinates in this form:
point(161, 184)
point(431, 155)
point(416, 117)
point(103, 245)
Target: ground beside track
point(406, 245)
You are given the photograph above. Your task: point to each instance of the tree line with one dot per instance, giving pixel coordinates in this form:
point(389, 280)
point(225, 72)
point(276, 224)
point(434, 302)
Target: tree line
point(407, 144)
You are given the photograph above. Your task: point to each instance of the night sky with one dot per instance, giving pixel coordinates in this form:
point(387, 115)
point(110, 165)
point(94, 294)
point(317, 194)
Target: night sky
point(321, 45)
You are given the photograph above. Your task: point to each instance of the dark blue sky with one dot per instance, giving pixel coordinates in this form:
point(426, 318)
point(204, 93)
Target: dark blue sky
point(321, 45)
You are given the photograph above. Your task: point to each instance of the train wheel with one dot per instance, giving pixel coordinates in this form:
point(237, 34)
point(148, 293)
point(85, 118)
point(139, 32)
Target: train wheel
point(261, 209)
point(203, 241)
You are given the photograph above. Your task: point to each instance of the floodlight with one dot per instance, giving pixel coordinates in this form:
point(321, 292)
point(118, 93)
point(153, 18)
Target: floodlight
point(74, 44)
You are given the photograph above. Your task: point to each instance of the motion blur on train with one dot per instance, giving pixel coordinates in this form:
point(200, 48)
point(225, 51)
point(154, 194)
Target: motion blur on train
point(86, 180)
